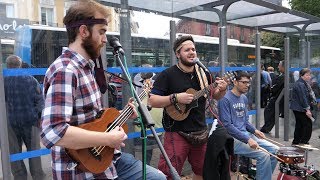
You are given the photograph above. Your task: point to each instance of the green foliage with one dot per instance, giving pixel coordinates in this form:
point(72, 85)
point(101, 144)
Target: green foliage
point(308, 6)
point(272, 39)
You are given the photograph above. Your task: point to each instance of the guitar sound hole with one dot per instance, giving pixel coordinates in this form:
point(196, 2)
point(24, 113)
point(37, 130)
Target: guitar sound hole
point(95, 154)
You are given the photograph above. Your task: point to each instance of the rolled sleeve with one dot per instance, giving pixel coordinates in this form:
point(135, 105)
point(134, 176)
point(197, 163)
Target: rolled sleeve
point(58, 107)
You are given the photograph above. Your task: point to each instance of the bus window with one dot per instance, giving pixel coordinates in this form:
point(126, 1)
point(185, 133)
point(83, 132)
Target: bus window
point(7, 49)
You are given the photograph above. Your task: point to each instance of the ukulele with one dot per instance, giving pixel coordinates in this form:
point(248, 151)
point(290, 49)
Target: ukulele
point(179, 111)
point(97, 159)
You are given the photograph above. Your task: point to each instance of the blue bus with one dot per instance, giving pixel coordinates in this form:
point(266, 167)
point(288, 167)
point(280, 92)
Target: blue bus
point(39, 46)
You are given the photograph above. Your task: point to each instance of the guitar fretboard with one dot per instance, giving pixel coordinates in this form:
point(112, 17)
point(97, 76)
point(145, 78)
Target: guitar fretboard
point(201, 92)
point(126, 113)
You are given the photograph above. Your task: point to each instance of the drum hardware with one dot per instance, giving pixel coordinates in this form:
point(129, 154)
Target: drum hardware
point(306, 149)
point(292, 170)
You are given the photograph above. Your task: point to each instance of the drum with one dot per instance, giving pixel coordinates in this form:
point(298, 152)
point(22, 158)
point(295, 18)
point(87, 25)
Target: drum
point(313, 175)
point(291, 155)
point(283, 176)
point(294, 172)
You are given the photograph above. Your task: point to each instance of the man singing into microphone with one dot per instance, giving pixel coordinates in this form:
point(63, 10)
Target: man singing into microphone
point(170, 89)
point(72, 98)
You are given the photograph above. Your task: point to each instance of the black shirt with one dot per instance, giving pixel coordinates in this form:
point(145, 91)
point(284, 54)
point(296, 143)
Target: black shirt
point(173, 80)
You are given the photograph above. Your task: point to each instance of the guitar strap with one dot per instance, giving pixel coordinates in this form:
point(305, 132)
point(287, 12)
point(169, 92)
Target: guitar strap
point(202, 78)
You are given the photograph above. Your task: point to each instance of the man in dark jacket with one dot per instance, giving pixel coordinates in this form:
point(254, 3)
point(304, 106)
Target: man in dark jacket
point(269, 111)
point(24, 103)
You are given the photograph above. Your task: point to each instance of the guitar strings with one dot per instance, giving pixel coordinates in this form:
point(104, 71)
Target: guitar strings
point(127, 112)
point(119, 121)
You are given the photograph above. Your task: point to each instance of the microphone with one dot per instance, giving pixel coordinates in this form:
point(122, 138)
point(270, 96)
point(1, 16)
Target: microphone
point(197, 61)
point(114, 42)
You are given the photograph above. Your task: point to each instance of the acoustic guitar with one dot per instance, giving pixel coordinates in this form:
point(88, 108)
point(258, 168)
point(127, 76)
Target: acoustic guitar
point(97, 159)
point(180, 111)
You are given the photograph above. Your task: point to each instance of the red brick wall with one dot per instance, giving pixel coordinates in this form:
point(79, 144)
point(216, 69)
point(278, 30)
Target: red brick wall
point(191, 27)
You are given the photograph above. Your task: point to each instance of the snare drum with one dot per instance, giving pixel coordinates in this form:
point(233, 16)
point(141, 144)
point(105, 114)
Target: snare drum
point(291, 155)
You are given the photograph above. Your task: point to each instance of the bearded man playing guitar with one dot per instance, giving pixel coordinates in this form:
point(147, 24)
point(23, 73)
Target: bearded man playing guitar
point(169, 92)
point(73, 100)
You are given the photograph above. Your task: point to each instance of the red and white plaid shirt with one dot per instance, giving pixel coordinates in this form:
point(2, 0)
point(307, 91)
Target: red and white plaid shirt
point(72, 97)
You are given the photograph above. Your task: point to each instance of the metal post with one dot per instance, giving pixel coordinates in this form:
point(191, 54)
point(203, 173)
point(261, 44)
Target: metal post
point(303, 51)
point(276, 113)
point(286, 125)
point(223, 41)
point(173, 59)
point(103, 53)
point(126, 41)
point(5, 154)
point(223, 48)
point(308, 54)
point(258, 79)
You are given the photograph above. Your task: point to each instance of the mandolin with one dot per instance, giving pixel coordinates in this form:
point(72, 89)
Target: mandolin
point(97, 159)
point(180, 111)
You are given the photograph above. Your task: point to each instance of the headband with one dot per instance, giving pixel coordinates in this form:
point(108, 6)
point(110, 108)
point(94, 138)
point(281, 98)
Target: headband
point(184, 43)
point(86, 22)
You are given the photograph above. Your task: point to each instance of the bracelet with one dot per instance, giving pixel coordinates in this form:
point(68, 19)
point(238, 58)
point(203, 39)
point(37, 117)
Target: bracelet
point(176, 98)
point(171, 98)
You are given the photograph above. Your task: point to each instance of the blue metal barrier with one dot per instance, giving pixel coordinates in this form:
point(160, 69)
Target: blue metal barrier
point(44, 151)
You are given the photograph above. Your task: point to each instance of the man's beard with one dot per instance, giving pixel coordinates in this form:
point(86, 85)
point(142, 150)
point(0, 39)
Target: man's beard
point(89, 46)
point(186, 63)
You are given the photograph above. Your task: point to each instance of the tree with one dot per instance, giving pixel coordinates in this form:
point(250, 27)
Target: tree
point(308, 6)
point(272, 39)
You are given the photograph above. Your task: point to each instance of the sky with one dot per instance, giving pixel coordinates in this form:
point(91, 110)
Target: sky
point(156, 25)
point(285, 3)
point(152, 24)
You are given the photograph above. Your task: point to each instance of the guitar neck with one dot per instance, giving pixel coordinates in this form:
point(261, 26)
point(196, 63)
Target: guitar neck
point(126, 113)
point(201, 92)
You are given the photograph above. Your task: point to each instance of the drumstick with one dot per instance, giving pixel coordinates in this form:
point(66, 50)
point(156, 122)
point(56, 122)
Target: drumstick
point(264, 150)
point(274, 141)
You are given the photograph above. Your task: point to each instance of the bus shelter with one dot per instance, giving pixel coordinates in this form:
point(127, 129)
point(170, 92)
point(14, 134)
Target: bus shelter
point(258, 14)
point(261, 15)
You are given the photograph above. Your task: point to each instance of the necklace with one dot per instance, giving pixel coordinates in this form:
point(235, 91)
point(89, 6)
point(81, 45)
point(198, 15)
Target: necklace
point(190, 73)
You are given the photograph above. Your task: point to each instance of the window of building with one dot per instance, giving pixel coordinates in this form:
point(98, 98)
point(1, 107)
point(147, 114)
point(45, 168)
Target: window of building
point(47, 16)
point(208, 29)
point(231, 31)
point(6, 10)
point(242, 38)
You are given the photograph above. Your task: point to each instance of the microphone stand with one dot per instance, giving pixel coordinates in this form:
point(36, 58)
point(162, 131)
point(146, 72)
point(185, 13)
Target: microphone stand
point(147, 121)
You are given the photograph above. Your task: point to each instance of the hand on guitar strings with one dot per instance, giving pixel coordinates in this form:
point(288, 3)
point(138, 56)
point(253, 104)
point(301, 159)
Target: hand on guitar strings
point(184, 98)
point(222, 84)
point(116, 137)
point(131, 103)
